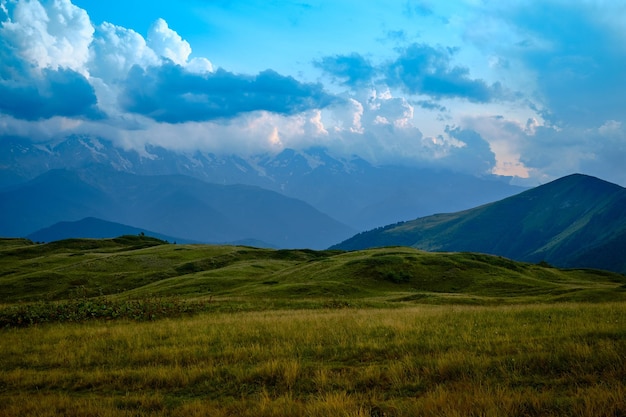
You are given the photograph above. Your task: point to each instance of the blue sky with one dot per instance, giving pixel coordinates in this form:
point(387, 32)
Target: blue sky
point(530, 89)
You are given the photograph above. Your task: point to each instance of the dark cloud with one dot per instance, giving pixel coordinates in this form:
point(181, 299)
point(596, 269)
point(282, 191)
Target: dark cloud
point(422, 69)
point(55, 93)
point(350, 70)
point(169, 93)
point(33, 94)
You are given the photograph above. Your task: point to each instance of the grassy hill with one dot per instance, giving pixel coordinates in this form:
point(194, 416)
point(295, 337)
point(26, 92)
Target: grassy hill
point(575, 221)
point(141, 266)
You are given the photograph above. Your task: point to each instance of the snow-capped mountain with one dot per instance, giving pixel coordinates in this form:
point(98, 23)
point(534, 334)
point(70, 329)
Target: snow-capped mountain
point(350, 190)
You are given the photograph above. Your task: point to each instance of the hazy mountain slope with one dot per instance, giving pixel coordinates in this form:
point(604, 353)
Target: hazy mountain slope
point(52, 197)
point(91, 227)
point(172, 205)
point(350, 190)
point(365, 196)
point(563, 222)
point(224, 213)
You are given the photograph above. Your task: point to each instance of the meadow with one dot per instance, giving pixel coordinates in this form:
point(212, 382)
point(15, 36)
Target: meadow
point(302, 333)
point(554, 360)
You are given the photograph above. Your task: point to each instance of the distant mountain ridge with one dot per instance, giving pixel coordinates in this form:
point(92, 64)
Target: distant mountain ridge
point(172, 205)
point(350, 190)
point(575, 221)
point(91, 227)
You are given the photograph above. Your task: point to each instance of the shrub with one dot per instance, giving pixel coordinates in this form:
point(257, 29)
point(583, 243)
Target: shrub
point(102, 308)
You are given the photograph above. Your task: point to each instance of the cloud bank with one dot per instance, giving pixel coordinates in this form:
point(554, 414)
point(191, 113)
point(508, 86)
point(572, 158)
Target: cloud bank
point(169, 93)
point(492, 89)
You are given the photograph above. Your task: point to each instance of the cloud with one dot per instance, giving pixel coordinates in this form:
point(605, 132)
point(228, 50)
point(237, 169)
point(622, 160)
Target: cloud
point(167, 43)
point(419, 8)
point(199, 65)
point(543, 152)
point(115, 50)
point(376, 126)
point(350, 70)
point(419, 103)
point(421, 69)
point(60, 92)
point(474, 155)
point(381, 128)
point(32, 93)
point(53, 35)
point(44, 49)
point(574, 52)
point(599, 151)
point(169, 93)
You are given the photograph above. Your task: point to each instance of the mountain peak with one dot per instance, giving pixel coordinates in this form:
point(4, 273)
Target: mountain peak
point(580, 188)
point(578, 178)
point(561, 222)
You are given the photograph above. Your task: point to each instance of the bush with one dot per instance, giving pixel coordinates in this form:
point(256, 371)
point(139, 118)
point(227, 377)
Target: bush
point(102, 308)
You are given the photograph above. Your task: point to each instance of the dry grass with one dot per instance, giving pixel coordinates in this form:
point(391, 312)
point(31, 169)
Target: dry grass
point(565, 359)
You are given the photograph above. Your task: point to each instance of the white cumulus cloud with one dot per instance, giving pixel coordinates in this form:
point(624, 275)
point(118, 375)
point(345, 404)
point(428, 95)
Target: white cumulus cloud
point(115, 50)
point(52, 35)
point(167, 43)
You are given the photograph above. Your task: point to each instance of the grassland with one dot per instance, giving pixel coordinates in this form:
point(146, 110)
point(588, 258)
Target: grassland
point(565, 359)
point(253, 332)
point(133, 267)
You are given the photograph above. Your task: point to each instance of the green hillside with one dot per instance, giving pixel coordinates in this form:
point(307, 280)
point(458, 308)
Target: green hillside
point(575, 221)
point(139, 266)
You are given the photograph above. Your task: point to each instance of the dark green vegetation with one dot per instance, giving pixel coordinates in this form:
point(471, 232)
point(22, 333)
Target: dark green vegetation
point(78, 279)
point(576, 221)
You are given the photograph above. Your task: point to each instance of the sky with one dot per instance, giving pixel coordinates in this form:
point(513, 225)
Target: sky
point(530, 89)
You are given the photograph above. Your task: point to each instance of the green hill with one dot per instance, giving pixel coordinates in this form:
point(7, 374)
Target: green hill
point(140, 266)
point(575, 221)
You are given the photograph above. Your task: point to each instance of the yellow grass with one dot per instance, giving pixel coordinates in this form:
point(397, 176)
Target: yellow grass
point(547, 360)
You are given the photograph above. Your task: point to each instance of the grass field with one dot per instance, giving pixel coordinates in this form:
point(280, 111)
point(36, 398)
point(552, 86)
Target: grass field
point(232, 331)
point(539, 360)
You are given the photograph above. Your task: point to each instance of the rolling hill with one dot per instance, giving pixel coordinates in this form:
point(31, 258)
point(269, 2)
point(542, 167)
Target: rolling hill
point(172, 205)
point(142, 266)
point(575, 221)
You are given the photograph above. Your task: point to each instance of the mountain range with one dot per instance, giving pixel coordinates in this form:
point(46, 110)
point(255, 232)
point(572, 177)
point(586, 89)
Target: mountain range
point(173, 205)
point(351, 190)
point(85, 186)
point(575, 221)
